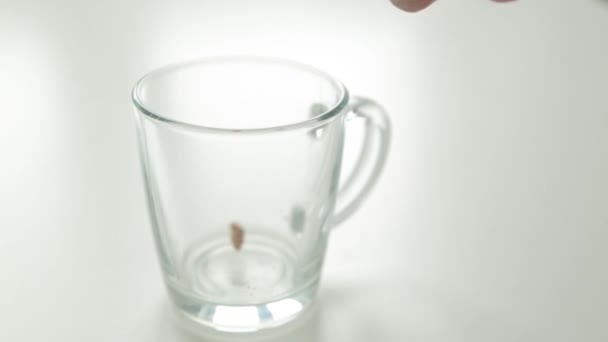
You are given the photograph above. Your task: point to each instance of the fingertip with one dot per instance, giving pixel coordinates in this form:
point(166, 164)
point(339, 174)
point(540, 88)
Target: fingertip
point(412, 5)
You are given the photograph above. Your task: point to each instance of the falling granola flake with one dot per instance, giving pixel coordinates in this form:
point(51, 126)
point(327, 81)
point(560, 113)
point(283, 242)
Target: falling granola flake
point(237, 235)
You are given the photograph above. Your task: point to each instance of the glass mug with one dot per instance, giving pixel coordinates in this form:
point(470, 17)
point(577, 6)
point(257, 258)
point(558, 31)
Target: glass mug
point(241, 159)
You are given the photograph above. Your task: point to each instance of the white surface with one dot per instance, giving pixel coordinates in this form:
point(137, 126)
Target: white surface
point(490, 223)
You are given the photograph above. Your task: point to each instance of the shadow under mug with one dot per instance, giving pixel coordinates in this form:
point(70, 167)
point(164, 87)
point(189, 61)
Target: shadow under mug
point(241, 159)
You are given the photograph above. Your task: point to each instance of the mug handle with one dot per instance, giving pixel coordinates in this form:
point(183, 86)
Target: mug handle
point(372, 157)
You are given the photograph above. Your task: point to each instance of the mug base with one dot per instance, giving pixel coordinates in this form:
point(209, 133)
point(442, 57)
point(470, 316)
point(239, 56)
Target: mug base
point(257, 286)
point(204, 318)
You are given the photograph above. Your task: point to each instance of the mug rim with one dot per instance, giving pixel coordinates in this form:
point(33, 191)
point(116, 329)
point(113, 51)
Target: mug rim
point(312, 122)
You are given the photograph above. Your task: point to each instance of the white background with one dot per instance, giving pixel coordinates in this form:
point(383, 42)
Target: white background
point(490, 222)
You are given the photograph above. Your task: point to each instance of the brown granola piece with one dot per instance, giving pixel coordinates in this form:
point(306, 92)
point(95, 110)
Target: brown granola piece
point(237, 235)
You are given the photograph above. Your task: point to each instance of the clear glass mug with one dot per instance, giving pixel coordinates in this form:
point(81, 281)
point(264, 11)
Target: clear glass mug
point(241, 159)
